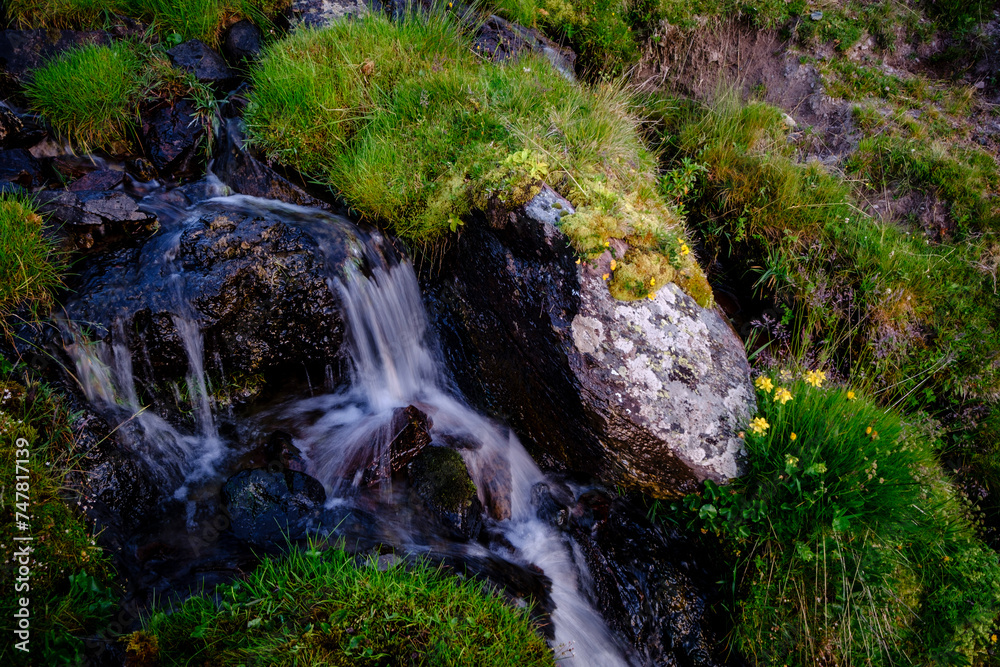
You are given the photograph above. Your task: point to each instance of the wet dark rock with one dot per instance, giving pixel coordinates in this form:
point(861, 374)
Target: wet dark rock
point(118, 491)
point(173, 137)
point(140, 169)
point(254, 284)
point(502, 41)
point(102, 179)
point(440, 479)
point(72, 167)
point(239, 169)
point(645, 584)
point(23, 50)
point(551, 505)
point(282, 453)
point(18, 166)
point(241, 45)
point(648, 394)
point(265, 507)
point(17, 131)
point(409, 427)
point(8, 188)
point(196, 57)
point(89, 219)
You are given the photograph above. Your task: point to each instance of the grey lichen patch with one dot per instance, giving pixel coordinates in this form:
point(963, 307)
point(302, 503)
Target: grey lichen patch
point(675, 370)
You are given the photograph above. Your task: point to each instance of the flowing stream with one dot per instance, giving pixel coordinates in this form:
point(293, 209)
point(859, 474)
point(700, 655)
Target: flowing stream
point(394, 364)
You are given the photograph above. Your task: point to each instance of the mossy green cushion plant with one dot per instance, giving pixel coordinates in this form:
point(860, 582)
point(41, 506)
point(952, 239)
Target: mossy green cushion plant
point(30, 266)
point(851, 546)
point(319, 607)
point(90, 95)
point(415, 130)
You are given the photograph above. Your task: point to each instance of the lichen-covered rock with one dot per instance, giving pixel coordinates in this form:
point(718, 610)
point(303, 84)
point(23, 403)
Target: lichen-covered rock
point(440, 479)
point(650, 393)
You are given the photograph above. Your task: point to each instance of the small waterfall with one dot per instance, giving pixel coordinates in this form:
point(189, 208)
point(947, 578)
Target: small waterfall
point(348, 430)
point(393, 366)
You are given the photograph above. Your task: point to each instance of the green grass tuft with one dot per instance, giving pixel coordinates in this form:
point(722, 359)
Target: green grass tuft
point(319, 607)
point(30, 267)
point(414, 130)
point(90, 95)
point(851, 546)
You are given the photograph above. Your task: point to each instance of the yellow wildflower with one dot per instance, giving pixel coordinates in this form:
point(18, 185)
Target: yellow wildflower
point(759, 425)
point(868, 430)
point(607, 243)
point(578, 261)
point(652, 281)
point(993, 638)
point(782, 395)
point(850, 395)
point(764, 384)
point(685, 249)
point(792, 437)
point(614, 264)
point(815, 378)
point(651, 295)
point(605, 276)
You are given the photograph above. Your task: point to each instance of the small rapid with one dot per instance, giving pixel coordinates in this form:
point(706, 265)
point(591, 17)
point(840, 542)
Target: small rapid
point(347, 431)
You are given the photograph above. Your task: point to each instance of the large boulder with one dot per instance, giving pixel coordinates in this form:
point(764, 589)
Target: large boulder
point(650, 393)
point(251, 280)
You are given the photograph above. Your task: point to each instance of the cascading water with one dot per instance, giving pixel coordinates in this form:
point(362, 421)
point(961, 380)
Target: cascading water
point(393, 367)
point(344, 433)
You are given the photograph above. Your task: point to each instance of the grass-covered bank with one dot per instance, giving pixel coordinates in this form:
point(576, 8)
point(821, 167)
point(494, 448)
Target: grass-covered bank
point(69, 575)
point(914, 320)
point(850, 546)
point(415, 130)
point(30, 266)
point(319, 607)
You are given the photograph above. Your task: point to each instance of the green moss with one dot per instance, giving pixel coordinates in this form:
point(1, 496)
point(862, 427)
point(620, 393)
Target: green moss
point(441, 477)
point(413, 130)
point(320, 608)
point(30, 267)
point(91, 94)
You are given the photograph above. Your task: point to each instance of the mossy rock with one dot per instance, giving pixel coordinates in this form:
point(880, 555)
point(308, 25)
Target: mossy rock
point(440, 479)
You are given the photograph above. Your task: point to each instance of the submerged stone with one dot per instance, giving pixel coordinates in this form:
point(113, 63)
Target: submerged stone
point(265, 506)
point(439, 477)
point(650, 393)
point(410, 428)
